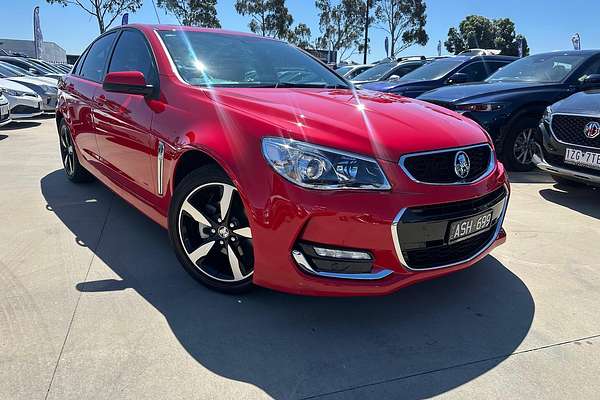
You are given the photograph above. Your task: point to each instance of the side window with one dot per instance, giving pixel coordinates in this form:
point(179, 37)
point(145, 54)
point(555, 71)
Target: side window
point(495, 66)
point(132, 54)
point(79, 64)
point(593, 68)
point(476, 71)
point(93, 65)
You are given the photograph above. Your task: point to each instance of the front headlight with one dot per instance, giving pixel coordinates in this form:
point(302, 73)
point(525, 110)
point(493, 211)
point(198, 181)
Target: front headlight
point(15, 93)
point(317, 167)
point(547, 115)
point(481, 107)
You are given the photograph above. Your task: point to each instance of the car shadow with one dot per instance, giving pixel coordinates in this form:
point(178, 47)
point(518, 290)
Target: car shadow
point(13, 126)
point(582, 199)
point(530, 177)
point(2, 137)
point(294, 346)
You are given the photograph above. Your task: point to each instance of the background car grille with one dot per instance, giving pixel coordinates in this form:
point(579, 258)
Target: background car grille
point(22, 109)
point(438, 168)
point(569, 129)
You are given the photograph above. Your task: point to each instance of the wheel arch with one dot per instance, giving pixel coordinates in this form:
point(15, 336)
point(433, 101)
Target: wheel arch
point(191, 160)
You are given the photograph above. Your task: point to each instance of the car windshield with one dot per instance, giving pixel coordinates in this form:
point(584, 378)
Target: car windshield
point(375, 73)
point(15, 69)
point(225, 60)
point(433, 70)
point(545, 68)
point(6, 72)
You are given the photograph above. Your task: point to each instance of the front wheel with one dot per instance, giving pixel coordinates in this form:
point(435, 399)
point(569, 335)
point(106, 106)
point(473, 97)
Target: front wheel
point(210, 232)
point(519, 145)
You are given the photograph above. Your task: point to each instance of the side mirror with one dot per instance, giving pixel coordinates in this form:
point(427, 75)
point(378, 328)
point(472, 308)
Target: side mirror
point(394, 78)
point(458, 77)
point(130, 82)
point(592, 81)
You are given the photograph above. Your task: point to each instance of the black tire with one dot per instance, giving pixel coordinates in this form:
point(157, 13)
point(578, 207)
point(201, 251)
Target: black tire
point(68, 155)
point(567, 182)
point(513, 144)
point(204, 190)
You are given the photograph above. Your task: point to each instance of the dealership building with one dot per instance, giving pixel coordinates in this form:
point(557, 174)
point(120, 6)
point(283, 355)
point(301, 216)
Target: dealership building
point(51, 52)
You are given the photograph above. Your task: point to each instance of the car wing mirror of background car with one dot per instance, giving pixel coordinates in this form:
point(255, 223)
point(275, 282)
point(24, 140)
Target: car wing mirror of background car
point(591, 82)
point(130, 82)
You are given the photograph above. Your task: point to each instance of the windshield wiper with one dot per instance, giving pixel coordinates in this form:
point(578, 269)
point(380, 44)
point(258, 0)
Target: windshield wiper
point(308, 85)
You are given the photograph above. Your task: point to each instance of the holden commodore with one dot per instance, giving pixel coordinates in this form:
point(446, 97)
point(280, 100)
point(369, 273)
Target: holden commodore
point(267, 168)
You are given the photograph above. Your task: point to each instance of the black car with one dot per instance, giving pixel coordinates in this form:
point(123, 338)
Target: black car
point(443, 72)
point(510, 103)
point(388, 70)
point(570, 137)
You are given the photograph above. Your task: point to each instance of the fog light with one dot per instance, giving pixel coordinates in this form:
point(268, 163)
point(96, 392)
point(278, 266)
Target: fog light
point(335, 253)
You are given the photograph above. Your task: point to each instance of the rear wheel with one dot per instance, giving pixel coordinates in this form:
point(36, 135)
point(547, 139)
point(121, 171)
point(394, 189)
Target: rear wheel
point(210, 232)
point(75, 172)
point(519, 145)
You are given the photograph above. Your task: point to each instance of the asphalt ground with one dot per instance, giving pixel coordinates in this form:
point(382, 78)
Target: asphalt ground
point(95, 306)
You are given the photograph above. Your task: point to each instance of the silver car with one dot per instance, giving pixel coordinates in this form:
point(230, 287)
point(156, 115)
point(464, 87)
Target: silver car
point(4, 110)
point(46, 88)
point(23, 102)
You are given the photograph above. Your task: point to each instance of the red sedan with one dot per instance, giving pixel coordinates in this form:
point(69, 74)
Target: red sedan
point(268, 168)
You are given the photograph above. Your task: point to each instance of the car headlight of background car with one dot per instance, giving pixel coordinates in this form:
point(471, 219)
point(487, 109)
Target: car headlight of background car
point(478, 107)
point(547, 115)
point(15, 93)
point(49, 90)
point(318, 167)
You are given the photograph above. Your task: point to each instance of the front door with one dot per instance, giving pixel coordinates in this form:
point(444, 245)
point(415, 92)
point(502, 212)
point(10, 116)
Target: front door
point(123, 121)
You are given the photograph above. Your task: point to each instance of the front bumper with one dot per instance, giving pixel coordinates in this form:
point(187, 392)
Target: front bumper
point(550, 158)
point(364, 221)
point(25, 106)
point(4, 114)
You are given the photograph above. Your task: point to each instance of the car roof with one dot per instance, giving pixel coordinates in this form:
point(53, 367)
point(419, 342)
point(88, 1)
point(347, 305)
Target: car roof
point(162, 27)
point(486, 57)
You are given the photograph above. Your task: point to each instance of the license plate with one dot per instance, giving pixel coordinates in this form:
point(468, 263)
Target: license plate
point(583, 158)
point(467, 227)
point(3, 111)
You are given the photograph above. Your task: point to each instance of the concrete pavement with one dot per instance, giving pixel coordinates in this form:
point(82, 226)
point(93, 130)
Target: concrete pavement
point(94, 305)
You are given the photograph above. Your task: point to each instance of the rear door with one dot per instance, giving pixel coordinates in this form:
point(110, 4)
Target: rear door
point(79, 89)
point(123, 121)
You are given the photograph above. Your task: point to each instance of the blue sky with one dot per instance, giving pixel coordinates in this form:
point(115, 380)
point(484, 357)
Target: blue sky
point(547, 24)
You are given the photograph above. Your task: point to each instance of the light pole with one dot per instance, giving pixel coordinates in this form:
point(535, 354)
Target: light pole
point(366, 49)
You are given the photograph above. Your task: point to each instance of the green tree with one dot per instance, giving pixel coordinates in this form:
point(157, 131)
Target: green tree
point(268, 17)
point(301, 36)
point(104, 11)
point(193, 12)
point(404, 21)
point(341, 25)
point(480, 32)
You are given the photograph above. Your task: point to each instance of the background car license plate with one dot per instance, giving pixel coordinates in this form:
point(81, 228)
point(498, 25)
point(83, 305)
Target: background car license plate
point(3, 110)
point(467, 227)
point(583, 158)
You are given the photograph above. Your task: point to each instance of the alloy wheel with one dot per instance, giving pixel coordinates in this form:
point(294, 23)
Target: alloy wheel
point(215, 233)
point(67, 151)
point(524, 146)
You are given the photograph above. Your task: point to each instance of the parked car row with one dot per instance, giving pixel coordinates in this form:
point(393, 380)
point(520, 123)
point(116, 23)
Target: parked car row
point(505, 95)
point(30, 86)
